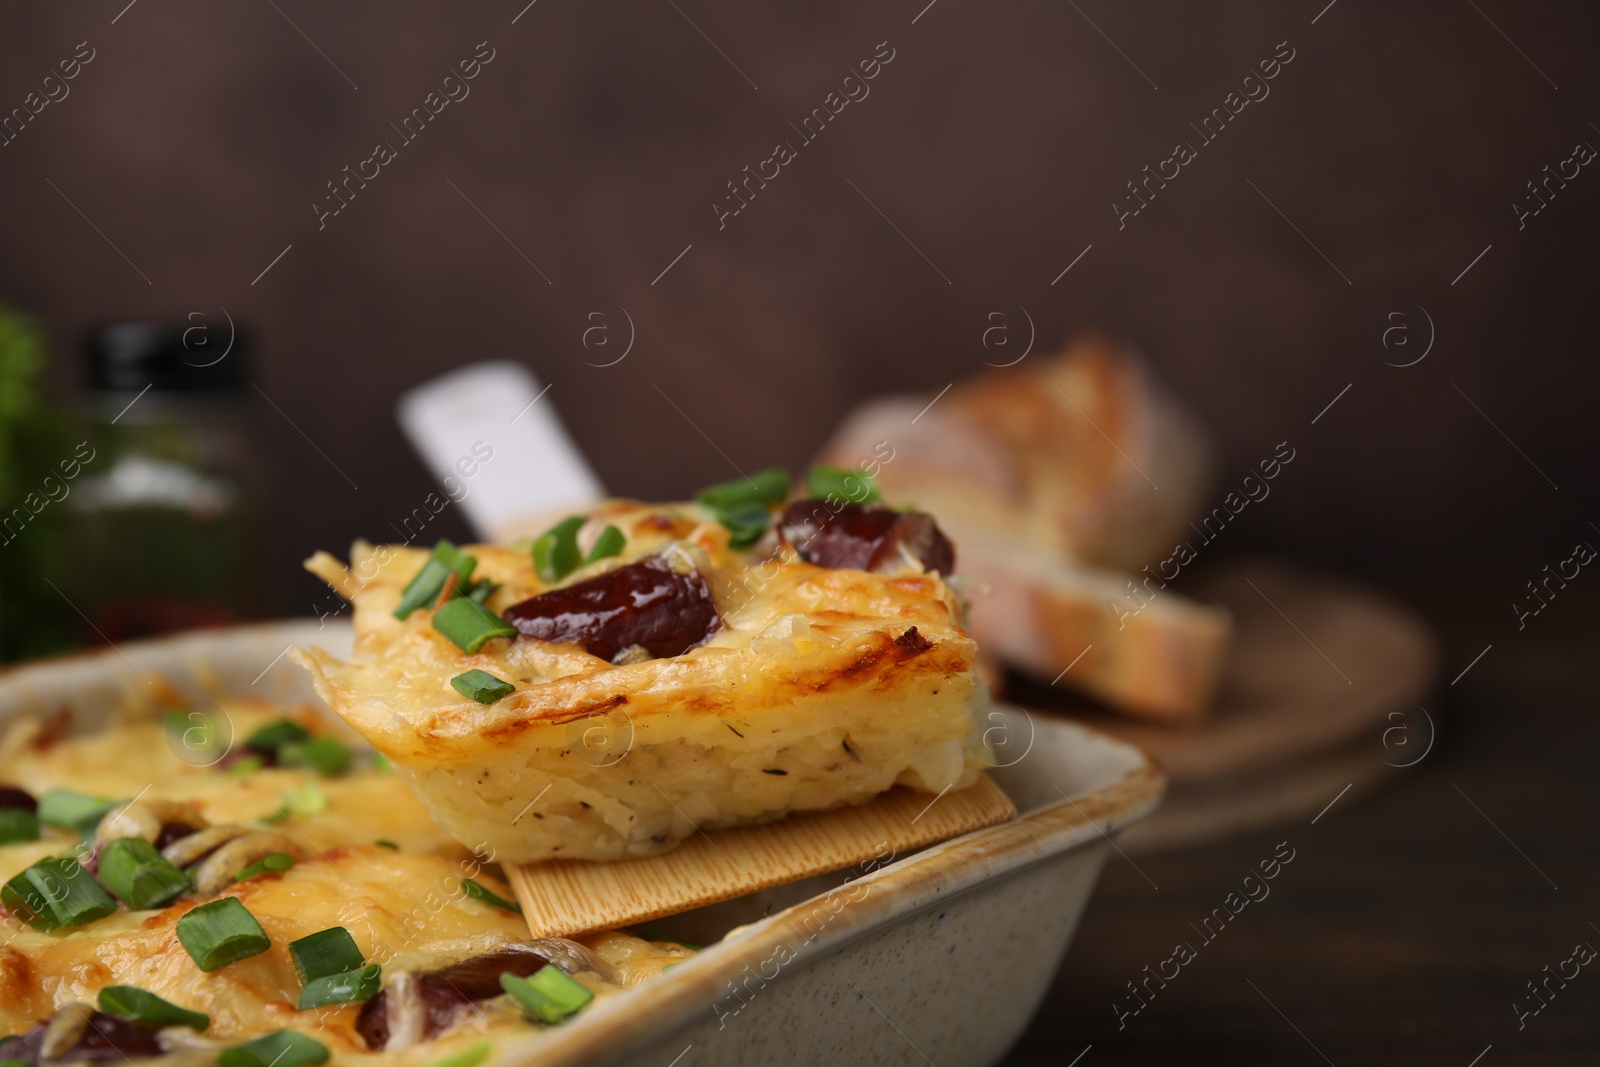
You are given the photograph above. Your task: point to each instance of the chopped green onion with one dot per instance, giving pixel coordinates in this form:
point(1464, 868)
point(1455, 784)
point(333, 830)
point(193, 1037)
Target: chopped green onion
point(220, 933)
point(555, 553)
point(845, 483)
point(429, 582)
point(481, 686)
point(608, 544)
point(470, 1056)
point(272, 737)
point(139, 1006)
point(549, 996)
point(305, 800)
point(327, 756)
point(470, 625)
point(381, 764)
point(271, 863)
point(348, 988)
point(18, 825)
point(137, 875)
point(77, 812)
point(326, 952)
point(196, 729)
point(384, 842)
point(56, 892)
point(246, 766)
point(281, 1048)
point(25, 1063)
point(478, 891)
point(746, 523)
point(481, 590)
point(770, 486)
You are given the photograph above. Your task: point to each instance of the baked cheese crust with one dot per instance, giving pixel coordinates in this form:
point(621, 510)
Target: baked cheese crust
point(822, 687)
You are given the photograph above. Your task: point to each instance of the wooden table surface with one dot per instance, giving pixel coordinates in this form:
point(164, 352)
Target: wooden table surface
point(1408, 924)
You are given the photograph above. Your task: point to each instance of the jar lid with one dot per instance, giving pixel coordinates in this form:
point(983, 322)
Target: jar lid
point(193, 357)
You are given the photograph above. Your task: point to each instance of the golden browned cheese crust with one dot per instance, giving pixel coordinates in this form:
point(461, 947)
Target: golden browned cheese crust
point(403, 902)
point(813, 693)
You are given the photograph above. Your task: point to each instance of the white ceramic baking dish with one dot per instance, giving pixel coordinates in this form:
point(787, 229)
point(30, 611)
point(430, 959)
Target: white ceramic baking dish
point(937, 957)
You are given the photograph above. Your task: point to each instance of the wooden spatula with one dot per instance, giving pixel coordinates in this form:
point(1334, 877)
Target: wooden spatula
point(568, 898)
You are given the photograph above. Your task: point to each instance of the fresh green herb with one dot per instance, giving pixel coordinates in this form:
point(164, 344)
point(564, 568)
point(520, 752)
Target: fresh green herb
point(273, 736)
point(197, 730)
point(429, 582)
point(326, 952)
point(350, 987)
point(18, 825)
point(139, 1006)
point(471, 1056)
point(56, 892)
point(381, 764)
point(745, 523)
point(271, 863)
point(770, 486)
point(307, 799)
point(555, 553)
point(481, 686)
point(246, 766)
point(608, 544)
point(77, 812)
point(384, 842)
point(326, 755)
point(481, 590)
point(281, 1048)
point(220, 933)
point(470, 625)
point(477, 891)
point(845, 483)
point(549, 996)
point(137, 875)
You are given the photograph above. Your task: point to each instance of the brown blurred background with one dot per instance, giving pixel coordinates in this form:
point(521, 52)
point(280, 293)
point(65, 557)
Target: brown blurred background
point(997, 139)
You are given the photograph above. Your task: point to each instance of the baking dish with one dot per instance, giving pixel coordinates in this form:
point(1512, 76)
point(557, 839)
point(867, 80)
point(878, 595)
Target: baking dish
point(939, 956)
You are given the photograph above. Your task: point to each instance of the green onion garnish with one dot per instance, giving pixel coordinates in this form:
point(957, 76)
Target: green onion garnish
point(195, 729)
point(77, 812)
point(308, 799)
point(555, 553)
point(481, 590)
point(429, 581)
point(770, 486)
point(324, 953)
point(271, 863)
point(139, 1006)
point(281, 1048)
point(549, 996)
point(470, 625)
point(658, 935)
point(477, 891)
point(745, 523)
point(220, 933)
point(470, 1056)
point(608, 544)
point(481, 686)
point(56, 892)
point(384, 842)
point(18, 825)
point(844, 483)
point(246, 766)
point(327, 756)
point(137, 875)
point(272, 737)
point(348, 988)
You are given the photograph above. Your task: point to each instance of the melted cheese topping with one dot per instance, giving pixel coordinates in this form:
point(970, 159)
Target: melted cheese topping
point(405, 908)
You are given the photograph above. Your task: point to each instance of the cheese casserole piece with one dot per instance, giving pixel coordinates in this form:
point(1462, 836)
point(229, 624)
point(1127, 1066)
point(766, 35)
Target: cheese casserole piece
point(675, 684)
point(354, 853)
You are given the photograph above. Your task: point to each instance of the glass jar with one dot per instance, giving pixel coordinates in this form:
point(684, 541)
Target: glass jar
point(166, 526)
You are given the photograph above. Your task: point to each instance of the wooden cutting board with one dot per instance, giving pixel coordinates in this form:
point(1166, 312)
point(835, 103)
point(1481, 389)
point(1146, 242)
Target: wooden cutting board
point(1325, 687)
